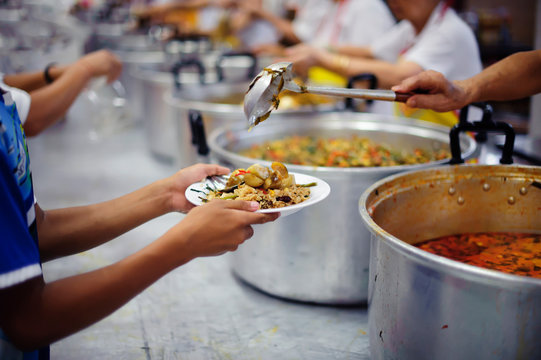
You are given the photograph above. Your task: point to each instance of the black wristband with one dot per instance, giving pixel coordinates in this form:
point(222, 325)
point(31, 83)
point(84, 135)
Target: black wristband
point(46, 74)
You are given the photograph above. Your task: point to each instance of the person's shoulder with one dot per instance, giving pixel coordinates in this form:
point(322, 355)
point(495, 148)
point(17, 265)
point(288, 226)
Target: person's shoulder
point(452, 30)
point(451, 21)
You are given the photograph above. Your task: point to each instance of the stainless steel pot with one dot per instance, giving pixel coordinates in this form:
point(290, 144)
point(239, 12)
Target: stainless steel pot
point(153, 86)
point(321, 254)
point(423, 306)
point(142, 48)
point(150, 84)
point(31, 44)
point(218, 104)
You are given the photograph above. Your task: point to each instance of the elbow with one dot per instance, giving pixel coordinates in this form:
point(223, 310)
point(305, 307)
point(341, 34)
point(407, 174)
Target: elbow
point(23, 336)
point(26, 345)
point(36, 122)
point(31, 129)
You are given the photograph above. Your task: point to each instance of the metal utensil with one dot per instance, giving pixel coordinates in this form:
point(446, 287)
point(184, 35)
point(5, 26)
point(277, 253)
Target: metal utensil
point(262, 95)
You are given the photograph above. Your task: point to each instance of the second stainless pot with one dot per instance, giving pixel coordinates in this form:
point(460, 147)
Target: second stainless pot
point(155, 91)
point(321, 254)
point(425, 306)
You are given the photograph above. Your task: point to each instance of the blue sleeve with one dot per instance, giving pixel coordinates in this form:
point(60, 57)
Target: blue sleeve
point(19, 253)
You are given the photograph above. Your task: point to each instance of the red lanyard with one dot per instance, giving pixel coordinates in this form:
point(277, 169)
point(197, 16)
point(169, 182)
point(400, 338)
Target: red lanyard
point(337, 24)
point(442, 13)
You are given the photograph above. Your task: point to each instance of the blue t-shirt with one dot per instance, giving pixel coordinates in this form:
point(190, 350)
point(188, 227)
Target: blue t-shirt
point(19, 252)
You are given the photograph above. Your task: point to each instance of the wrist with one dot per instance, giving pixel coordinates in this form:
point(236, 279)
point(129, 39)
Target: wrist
point(341, 63)
point(167, 195)
point(84, 70)
point(47, 73)
point(164, 191)
point(174, 246)
point(468, 92)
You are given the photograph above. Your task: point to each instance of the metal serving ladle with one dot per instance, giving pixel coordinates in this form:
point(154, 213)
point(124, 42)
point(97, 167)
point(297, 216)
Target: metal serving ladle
point(262, 95)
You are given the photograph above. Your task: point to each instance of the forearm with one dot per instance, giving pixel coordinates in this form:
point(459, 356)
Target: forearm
point(514, 77)
point(284, 27)
point(388, 74)
point(354, 51)
point(68, 231)
point(50, 103)
point(58, 309)
point(34, 80)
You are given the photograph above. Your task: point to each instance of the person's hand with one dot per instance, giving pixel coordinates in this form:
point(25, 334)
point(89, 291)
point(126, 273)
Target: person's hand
point(101, 63)
point(214, 228)
point(303, 57)
point(180, 181)
point(437, 93)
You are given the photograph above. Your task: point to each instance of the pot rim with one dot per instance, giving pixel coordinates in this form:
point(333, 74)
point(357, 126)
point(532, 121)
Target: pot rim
point(355, 121)
point(177, 101)
point(437, 262)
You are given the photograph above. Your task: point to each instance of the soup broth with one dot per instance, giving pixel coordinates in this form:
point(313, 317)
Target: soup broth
point(513, 253)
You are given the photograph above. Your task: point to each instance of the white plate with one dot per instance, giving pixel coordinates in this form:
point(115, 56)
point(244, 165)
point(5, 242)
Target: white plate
point(317, 193)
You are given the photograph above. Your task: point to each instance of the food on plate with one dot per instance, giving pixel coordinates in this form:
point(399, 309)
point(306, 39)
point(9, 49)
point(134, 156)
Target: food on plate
point(271, 187)
point(354, 151)
point(514, 253)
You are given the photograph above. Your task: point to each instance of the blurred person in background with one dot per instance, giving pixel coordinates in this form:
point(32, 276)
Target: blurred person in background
point(253, 32)
point(44, 97)
point(189, 16)
point(325, 23)
point(430, 35)
point(224, 20)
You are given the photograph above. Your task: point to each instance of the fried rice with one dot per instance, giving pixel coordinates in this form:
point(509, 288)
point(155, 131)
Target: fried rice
point(267, 199)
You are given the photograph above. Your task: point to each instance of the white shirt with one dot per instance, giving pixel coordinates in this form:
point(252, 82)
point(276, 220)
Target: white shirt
point(446, 44)
point(346, 22)
point(20, 97)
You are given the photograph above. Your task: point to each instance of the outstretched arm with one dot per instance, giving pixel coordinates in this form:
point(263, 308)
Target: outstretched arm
point(516, 76)
point(72, 230)
point(284, 26)
point(30, 81)
point(34, 313)
point(304, 56)
point(49, 103)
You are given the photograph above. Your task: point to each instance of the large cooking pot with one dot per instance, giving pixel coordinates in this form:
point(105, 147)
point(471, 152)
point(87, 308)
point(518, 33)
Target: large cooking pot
point(134, 48)
point(30, 44)
point(220, 104)
point(321, 254)
point(152, 84)
point(424, 306)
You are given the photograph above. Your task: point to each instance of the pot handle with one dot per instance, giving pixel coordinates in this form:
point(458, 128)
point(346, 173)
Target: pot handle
point(184, 63)
point(360, 77)
point(481, 127)
point(198, 132)
point(251, 69)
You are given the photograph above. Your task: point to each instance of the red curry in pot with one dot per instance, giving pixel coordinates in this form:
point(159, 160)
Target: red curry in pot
point(514, 253)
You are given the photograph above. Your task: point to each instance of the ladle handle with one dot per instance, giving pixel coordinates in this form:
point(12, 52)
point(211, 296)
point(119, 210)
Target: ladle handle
point(376, 94)
point(402, 97)
point(373, 84)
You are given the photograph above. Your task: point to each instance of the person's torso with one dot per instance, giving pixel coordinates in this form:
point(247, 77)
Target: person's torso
point(16, 176)
point(346, 22)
